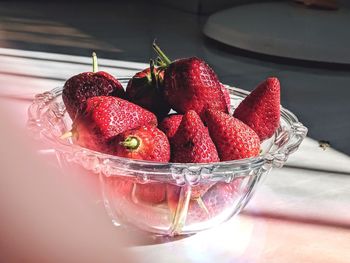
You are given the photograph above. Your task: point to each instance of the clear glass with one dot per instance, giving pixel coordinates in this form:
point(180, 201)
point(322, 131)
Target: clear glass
point(163, 198)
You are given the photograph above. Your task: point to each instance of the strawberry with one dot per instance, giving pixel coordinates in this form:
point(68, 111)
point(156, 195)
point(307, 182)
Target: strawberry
point(85, 85)
point(127, 189)
point(260, 110)
point(170, 124)
point(144, 89)
point(144, 143)
point(192, 143)
point(105, 117)
point(233, 139)
point(122, 186)
point(134, 192)
point(151, 192)
point(190, 84)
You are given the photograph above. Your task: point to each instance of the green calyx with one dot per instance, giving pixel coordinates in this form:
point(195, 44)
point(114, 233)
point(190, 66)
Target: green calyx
point(94, 62)
point(163, 60)
point(131, 143)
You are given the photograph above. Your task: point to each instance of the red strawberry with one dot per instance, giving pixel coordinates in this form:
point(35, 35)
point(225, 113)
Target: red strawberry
point(128, 189)
point(145, 89)
point(104, 117)
point(233, 139)
point(170, 124)
point(85, 85)
point(192, 143)
point(122, 186)
point(260, 110)
point(190, 84)
point(144, 143)
point(152, 193)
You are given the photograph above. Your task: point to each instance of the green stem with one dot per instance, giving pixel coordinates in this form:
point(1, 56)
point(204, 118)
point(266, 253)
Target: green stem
point(160, 63)
point(166, 60)
point(94, 62)
point(131, 143)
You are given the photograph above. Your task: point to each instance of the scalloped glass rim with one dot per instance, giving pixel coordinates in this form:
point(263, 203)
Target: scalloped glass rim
point(275, 149)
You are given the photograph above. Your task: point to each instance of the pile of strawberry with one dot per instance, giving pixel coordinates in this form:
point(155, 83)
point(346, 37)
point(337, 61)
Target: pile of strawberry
point(109, 119)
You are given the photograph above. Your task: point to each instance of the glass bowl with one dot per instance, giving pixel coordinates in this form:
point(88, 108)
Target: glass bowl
point(166, 198)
